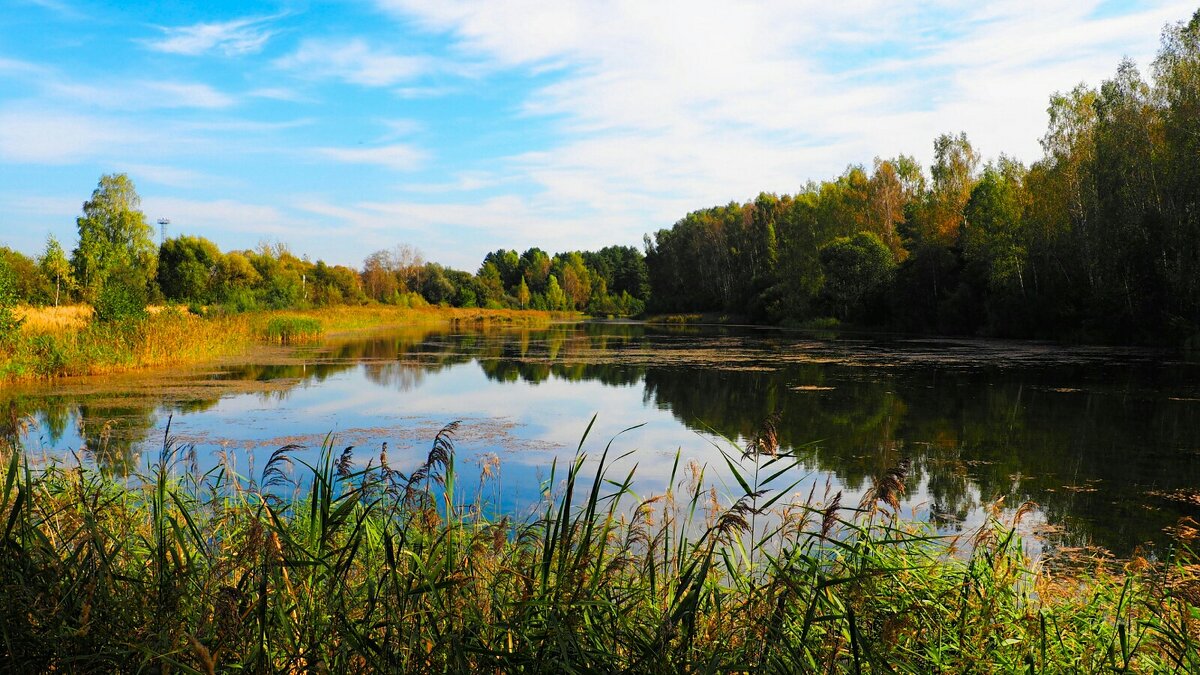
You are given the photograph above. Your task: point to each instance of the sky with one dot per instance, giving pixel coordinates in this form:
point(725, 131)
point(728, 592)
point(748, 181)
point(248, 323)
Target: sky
point(463, 126)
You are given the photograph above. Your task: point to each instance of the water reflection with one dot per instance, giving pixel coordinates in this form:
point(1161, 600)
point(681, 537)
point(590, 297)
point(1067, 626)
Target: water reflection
point(1098, 438)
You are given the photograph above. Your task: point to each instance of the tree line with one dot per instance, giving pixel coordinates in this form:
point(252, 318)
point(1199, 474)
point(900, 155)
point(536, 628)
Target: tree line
point(1098, 239)
point(116, 268)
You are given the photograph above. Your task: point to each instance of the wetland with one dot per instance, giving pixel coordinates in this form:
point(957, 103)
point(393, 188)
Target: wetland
point(1105, 441)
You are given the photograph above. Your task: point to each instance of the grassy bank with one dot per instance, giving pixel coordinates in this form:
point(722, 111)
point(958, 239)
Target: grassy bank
point(66, 341)
point(347, 565)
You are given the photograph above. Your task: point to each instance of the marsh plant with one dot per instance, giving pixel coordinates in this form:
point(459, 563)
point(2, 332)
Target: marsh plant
point(344, 563)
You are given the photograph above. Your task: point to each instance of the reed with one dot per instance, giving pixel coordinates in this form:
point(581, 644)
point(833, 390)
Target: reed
point(292, 329)
point(344, 564)
point(65, 341)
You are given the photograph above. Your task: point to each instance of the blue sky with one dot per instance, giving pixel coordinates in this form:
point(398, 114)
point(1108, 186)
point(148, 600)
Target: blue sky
point(460, 127)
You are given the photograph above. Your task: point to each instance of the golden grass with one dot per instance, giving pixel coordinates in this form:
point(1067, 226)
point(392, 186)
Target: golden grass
point(347, 319)
point(64, 342)
point(54, 319)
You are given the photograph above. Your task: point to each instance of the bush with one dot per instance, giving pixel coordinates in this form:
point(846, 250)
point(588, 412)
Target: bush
point(9, 323)
point(51, 355)
point(123, 298)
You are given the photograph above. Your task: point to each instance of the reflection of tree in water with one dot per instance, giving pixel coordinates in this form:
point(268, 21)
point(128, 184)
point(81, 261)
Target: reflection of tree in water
point(398, 376)
point(614, 375)
point(1087, 457)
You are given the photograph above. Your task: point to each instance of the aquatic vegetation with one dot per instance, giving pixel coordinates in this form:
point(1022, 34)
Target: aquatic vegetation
point(346, 564)
point(290, 329)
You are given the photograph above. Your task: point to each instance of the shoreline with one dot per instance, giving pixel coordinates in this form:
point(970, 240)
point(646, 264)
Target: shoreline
point(51, 348)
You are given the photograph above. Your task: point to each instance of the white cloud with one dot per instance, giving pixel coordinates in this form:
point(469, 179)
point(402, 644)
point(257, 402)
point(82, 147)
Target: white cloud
point(398, 157)
point(353, 61)
point(169, 175)
point(669, 106)
point(144, 95)
point(280, 94)
point(231, 38)
point(206, 218)
point(40, 136)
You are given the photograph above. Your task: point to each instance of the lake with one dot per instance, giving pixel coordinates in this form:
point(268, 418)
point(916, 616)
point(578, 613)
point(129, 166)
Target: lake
point(1105, 440)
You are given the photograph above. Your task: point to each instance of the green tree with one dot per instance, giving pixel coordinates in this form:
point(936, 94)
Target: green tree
point(437, 288)
point(523, 295)
point(857, 271)
point(113, 235)
point(992, 236)
point(953, 172)
point(9, 323)
point(187, 269)
point(56, 266)
point(534, 266)
point(234, 281)
point(508, 265)
point(490, 285)
point(556, 300)
point(1177, 90)
point(123, 297)
point(29, 284)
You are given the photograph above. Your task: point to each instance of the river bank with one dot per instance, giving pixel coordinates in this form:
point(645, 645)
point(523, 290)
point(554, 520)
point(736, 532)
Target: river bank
point(66, 341)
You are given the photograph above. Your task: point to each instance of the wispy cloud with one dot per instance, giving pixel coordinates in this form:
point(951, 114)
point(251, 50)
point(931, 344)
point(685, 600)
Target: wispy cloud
point(172, 176)
point(352, 61)
point(231, 38)
point(397, 157)
point(140, 95)
point(23, 68)
point(281, 94)
point(62, 9)
point(663, 107)
point(208, 218)
point(40, 136)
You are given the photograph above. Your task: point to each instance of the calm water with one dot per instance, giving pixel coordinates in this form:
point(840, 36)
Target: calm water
point(1106, 441)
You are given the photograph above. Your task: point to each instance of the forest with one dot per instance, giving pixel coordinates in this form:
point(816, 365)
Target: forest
point(1098, 240)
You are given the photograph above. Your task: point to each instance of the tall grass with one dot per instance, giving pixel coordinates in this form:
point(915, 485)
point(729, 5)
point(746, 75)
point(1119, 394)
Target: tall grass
point(164, 338)
point(65, 341)
point(345, 564)
point(291, 329)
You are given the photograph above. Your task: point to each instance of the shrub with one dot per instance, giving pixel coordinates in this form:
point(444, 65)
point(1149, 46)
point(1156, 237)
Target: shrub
point(9, 323)
point(123, 298)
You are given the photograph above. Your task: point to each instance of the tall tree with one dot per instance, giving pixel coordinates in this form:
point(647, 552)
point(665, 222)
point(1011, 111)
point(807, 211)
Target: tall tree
point(113, 236)
point(953, 173)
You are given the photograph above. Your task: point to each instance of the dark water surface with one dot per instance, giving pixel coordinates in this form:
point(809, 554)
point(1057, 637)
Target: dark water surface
point(1105, 441)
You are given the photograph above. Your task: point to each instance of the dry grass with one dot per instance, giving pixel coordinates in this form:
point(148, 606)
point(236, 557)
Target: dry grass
point(41, 320)
point(345, 318)
point(64, 341)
